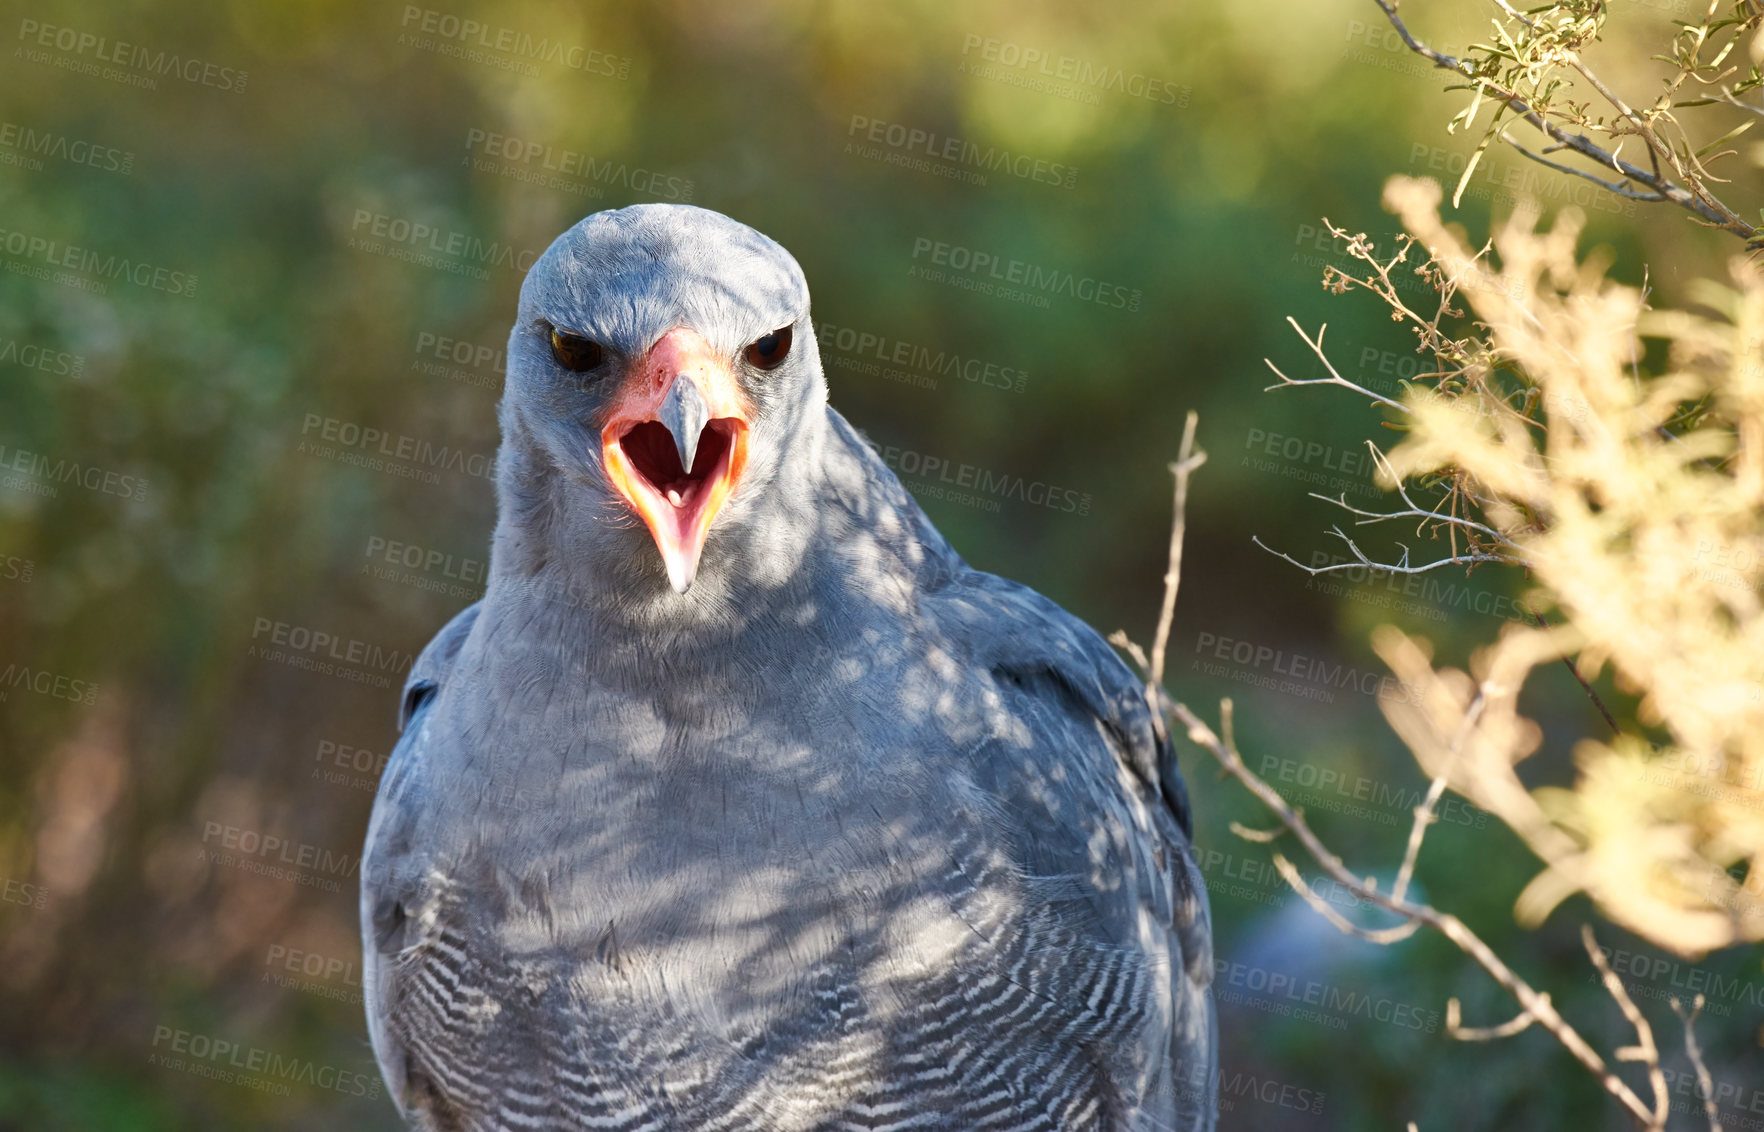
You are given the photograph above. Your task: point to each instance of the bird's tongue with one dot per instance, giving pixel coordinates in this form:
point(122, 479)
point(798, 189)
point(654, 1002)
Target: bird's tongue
point(656, 459)
point(677, 505)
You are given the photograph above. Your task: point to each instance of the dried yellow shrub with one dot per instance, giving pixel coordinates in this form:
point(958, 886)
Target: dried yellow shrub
point(1636, 501)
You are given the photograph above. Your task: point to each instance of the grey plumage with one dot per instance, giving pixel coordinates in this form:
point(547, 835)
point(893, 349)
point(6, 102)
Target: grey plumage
point(847, 835)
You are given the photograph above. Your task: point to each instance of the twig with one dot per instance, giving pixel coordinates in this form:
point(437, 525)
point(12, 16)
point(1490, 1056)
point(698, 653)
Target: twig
point(1299, 885)
point(1726, 99)
point(1224, 750)
point(1507, 8)
point(1411, 512)
point(1445, 923)
point(1334, 377)
point(1261, 836)
point(1423, 818)
point(1412, 509)
point(1456, 1029)
point(1695, 1052)
point(1402, 567)
point(1424, 812)
point(1610, 720)
point(1697, 201)
point(1617, 187)
point(1187, 460)
point(1360, 248)
point(1644, 1050)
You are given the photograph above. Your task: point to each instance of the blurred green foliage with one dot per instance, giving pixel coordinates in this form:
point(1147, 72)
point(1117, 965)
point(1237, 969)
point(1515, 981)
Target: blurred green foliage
point(154, 608)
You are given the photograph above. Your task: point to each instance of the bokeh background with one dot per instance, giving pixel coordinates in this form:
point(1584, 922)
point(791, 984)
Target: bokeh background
point(260, 264)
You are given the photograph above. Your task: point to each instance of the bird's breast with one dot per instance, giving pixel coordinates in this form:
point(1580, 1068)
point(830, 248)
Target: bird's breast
point(800, 901)
point(760, 835)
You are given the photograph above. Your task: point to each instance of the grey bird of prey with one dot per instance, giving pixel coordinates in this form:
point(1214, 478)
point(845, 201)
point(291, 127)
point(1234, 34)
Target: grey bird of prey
point(740, 802)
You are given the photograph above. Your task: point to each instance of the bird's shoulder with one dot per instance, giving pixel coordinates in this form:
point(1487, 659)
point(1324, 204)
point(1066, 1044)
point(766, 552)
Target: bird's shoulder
point(1007, 631)
point(865, 488)
point(1093, 736)
point(408, 775)
point(393, 853)
point(435, 663)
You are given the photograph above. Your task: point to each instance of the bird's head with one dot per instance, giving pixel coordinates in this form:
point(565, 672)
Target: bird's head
point(662, 370)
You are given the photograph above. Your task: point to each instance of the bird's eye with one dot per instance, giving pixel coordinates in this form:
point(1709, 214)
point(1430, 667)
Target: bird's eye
point(574, 352)
point(770, 351)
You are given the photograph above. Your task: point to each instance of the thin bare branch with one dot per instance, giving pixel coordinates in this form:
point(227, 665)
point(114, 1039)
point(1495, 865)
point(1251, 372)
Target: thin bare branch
point(1334, 377)
point(1455, 1027)
point(1262, 836)
point(1411, 509)
point(1617, 187)
point(1507, 8)
point(1705, 1081)
point(1414, 511)
point(1445, 923)
point(1323, 908)
point(1361, 560)
point(1424, 812)
point(1360, 248)
point(1423, 818)
point(1187, 460)
point(1644, 1050)
point(1120, 640)
point(1591, 692)
point(1726, 99)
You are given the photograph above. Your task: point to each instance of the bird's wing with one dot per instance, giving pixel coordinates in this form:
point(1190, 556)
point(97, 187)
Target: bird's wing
point(1099, 804)
point(392, 860)
point(1118, 828)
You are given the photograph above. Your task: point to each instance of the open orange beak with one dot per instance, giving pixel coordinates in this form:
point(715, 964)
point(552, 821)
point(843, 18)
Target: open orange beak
point(675, 445)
